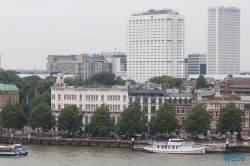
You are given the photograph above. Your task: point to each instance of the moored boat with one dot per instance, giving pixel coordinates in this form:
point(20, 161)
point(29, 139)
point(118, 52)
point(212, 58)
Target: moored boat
point(13, 150)
point(174, 146)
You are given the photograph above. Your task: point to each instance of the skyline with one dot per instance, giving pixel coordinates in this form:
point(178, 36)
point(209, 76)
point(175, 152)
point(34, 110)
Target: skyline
point(37, 29)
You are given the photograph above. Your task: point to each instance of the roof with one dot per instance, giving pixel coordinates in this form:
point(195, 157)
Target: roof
point(8, 87)
point(240, 82)
point(179, 95)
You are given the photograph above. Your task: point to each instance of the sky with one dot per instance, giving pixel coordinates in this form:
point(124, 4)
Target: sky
point(30, 30)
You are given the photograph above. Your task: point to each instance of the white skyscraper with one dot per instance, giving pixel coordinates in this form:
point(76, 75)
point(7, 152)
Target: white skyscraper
point(155, 44)
point(223, 40)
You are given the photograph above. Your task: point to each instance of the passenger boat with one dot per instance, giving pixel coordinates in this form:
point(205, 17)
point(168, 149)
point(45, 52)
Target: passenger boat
point(174, 146)
point(13, 150)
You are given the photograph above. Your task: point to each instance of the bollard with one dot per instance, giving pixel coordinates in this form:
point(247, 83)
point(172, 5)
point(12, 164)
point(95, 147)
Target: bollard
point(132, 144)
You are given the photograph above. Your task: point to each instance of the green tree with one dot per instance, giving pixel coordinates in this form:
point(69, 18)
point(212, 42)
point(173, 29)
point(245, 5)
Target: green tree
point(69, 119)
point(104, 78)
point(132, 120)
point(41, 117)
point(230, 75)
point(12, 116)
point(100, 120)
point(232, 97)
point(198, 120)
point(173, 82)
point(201, 82)
point(153, 126)
point(166, 119)
point(73, 81)
point(230, 119)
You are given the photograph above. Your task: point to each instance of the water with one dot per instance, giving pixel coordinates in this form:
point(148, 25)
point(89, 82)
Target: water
point(43, 155)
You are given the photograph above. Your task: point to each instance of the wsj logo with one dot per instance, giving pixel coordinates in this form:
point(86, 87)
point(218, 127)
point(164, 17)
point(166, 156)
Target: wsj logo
point(233, 10)
point(234, 158)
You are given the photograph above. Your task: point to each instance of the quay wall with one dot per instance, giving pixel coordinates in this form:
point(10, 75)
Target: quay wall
point(71, 142)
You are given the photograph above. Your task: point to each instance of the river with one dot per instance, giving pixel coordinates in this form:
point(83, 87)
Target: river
point(44, 155)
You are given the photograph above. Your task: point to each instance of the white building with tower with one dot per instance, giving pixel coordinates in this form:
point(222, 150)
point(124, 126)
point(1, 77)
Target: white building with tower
point(223, 40)
point(88, 98)
point(155, 44)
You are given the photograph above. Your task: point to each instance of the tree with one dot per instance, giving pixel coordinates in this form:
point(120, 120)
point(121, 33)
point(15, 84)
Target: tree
point(230, 75)
point(100, 120)
point(165, 119)
point(173, 82)
point(132, 119)
point(198, 120)
point(201, 82)
point(12, 116)
point(41, 117)
point(69, 119)
point(230, 119)
point(232, 97)
point(153, 126)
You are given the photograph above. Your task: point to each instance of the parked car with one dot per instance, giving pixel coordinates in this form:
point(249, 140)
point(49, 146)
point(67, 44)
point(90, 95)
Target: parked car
point(241, 139)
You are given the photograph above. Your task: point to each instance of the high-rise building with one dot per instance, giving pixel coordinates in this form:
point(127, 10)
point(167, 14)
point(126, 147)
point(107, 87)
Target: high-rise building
point(155, 44)
point(119, 65)
point(197, 63)
point(223, 40)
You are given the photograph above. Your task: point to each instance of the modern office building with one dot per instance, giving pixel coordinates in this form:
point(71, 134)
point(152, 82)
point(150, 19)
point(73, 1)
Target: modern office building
point(119, 65)
point(223, 40)
point(80, 66)
point(197, 64)
point(91, 65)
point(155, 44)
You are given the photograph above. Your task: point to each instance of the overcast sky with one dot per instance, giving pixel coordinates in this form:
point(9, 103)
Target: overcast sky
point(30, 30)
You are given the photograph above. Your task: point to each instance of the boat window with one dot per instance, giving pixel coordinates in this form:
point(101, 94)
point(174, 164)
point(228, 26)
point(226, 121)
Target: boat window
point(173, 147)
point(175, 140)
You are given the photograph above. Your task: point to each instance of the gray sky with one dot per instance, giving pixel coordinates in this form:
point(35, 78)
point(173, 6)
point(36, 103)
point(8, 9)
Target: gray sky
point(30, 30)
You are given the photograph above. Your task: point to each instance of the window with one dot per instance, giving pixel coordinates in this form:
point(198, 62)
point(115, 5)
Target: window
point(102, 98)
point(246, 114)
point(216, 114)
point(183, 110)
point(216, 105)
point(145, 100)
point(138, 99)
point(80, 97)
point(118, 97)
point(160, 101)
point(152, 100)
point(96, 97)
point(59, 107)
point(130, 100)
point(246, 123)
point(80, 108)
point(124, 98)
point(242, 106)
point(86, 119)
point(145, 109)
point(177, 110)
point(153, 109)
point(108, 97)
point(59, 97)
point(118, 107)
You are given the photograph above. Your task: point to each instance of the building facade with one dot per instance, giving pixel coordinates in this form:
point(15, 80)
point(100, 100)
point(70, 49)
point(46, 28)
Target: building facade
point(223, 40)
point(215, 106)
point(90, 65)
point(197, 64)
point(8, 93)
point(87, 98)
point(119, 65)
point(182, 103)
point(235, 86)
point(155, 44)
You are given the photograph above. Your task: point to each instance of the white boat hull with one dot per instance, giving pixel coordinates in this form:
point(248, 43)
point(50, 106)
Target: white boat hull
point(176, 151)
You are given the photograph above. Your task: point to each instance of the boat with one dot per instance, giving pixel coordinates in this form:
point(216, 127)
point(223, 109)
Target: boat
point(216, 148)
point(174, 146)
point(13, 150)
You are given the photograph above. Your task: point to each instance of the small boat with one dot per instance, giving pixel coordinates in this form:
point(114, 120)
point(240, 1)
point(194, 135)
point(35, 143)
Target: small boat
point(216, 148)
point(13, 150)
point(174, 146)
